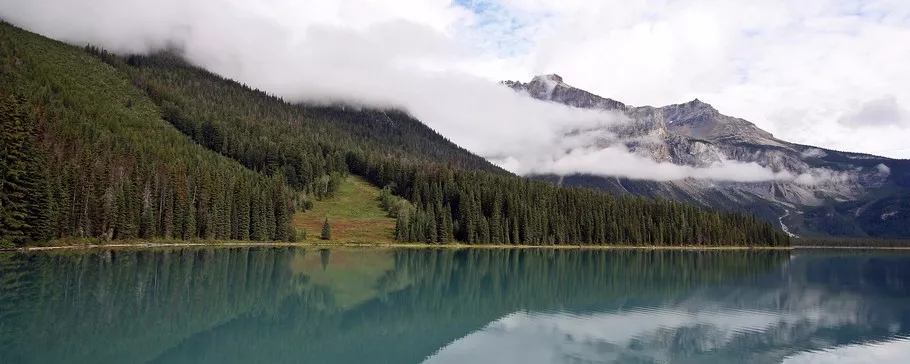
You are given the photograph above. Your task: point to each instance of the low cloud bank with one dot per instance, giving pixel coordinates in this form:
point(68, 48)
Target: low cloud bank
point(373, 55)
point(619, 162)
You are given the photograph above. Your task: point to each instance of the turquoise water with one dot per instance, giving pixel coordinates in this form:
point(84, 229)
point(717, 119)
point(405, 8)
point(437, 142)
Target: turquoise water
point(292, 305)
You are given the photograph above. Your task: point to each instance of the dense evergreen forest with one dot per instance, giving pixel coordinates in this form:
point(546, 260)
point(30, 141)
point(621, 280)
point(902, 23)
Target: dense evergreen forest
point(86, 154)
point(122, 147)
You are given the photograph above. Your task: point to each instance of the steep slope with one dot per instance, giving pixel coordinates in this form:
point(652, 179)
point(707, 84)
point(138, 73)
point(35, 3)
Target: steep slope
point(834, 193)
point(457, 194)
point(97, 160)
point(288, 155)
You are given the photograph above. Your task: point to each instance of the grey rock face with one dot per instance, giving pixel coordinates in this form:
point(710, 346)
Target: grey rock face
point(696, 134)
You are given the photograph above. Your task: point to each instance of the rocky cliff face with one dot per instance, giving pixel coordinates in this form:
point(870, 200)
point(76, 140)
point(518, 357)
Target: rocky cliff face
point(836, 193)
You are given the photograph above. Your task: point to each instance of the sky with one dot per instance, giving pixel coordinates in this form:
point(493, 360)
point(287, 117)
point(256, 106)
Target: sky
point(829, 73)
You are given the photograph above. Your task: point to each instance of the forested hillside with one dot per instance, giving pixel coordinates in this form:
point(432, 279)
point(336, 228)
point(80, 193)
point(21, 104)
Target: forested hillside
point(121, 147)
point(87, 154)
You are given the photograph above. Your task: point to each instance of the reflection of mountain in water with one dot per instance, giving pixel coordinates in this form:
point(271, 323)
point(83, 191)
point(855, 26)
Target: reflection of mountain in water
point(443, 306)
point(814, 302)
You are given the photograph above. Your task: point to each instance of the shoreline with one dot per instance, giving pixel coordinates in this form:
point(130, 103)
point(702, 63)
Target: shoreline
point(148, 245)
point(375, 245)
point(392, 245)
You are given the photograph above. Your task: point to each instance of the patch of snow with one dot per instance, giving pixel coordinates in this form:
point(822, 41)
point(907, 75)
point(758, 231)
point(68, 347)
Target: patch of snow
point(813, 153)
point(883, 169)
point(790, 205)
point(550, 84)
point(784, 226)
point(862, 156)
point(887, 215)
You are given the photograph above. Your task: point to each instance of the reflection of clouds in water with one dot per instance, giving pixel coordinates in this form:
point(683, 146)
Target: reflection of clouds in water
point(621, 328)
point(779, 317)
point(892, 351)
point(818, 307)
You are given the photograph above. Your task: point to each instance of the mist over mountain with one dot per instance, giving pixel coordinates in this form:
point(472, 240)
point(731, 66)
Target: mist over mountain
point(407, 55)
point(682, 151)
point(722, 162)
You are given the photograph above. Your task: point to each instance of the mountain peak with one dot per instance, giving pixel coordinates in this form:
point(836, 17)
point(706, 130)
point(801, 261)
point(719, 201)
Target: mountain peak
point(698, 104)
point(552, 87)
point(548, 78)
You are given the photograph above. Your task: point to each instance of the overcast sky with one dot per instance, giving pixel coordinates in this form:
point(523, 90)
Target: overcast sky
point(831, 73)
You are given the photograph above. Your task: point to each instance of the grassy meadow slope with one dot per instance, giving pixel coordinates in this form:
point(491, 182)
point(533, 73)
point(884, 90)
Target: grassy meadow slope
point(353, 212)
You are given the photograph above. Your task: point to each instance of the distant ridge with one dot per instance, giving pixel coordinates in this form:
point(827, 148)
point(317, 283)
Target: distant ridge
point(862, 201)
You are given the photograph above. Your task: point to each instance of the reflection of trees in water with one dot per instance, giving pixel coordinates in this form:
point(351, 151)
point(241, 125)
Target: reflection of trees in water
point(243, 305)
point(820, 302)
point(531, 279)
point(449, 294)
point(17, 295)
point(324, 256)
point(98, 306)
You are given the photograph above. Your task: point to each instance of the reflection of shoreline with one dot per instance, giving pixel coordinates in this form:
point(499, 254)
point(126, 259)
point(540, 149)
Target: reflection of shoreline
point(143, 245)
point(154, 245)
point(799, 247)
point(199, 305)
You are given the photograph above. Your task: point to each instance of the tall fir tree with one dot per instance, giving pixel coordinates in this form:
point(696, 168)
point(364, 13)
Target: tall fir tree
point(326, 230)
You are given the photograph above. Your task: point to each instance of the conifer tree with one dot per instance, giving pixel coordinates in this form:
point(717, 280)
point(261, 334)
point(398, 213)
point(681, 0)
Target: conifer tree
point(22, 186)
point(326, 230)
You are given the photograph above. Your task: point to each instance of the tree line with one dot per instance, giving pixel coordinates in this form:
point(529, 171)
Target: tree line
point(475, 207)
point(85, 154)
point(150, 146)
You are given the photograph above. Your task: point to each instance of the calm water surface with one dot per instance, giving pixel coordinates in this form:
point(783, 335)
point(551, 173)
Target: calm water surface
point(292, 305)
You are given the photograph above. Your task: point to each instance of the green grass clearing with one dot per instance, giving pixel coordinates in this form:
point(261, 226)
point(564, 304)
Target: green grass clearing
point(354, 214)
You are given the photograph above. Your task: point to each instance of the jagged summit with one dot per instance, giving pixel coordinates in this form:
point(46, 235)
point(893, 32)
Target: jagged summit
point(695, 134)
point(548, 78)
point(696, 103)
point(694, 119)
point(552, 87)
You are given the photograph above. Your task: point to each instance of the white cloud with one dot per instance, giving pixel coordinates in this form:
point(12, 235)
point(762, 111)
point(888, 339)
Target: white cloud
point(884, 111)
point(886, 351)
point(883, 169)
point(437, 60)
point(616, 160)
point(795, 68)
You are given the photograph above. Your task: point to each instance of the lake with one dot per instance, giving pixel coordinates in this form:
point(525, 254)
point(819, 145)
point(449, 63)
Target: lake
point(296, 305)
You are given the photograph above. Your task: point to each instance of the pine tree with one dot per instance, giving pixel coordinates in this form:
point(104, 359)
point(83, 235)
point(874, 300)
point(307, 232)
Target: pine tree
point(326, 230)
point(447, 228)
point(23, 203)
point(402, 227)
point(432, 235)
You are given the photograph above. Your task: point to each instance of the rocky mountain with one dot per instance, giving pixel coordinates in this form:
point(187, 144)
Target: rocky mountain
point(830, 193)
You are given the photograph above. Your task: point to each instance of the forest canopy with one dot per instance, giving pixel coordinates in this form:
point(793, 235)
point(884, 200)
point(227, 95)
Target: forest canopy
point(148, 146)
